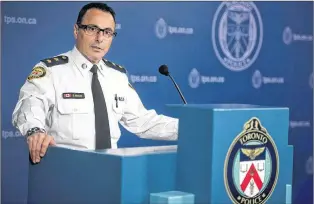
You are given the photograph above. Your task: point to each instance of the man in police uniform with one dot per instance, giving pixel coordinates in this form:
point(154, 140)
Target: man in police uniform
point(76, 99)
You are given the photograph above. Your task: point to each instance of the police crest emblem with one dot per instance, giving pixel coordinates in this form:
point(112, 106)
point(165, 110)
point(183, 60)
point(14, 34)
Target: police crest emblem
point(36, 73)
point(252, 165)
point(237, 34)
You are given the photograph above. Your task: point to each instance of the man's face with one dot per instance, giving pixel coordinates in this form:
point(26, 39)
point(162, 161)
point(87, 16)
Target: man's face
point(94, 46)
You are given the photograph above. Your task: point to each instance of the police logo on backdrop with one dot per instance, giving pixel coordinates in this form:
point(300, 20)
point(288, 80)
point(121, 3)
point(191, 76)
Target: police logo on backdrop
point(311, 80)
point(252, 165)
point(194, 78)
point(257, 79)
point(237, 34)
point(287, 35)
point(161, 28)
point(309, 166)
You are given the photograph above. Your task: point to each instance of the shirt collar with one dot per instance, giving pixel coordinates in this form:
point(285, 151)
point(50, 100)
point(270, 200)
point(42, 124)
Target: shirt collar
point(83, 64)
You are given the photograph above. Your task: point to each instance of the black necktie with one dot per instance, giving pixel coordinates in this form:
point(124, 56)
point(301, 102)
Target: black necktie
point(102, 129)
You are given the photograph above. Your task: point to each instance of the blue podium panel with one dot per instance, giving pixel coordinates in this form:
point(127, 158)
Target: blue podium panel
point(109, 176)
point(13, 177)
point(66, 176)
point(155, 171)
point(161, 170)
point(234, 153)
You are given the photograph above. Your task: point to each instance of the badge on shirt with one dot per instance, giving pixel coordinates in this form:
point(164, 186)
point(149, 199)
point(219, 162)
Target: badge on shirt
point(73, 95)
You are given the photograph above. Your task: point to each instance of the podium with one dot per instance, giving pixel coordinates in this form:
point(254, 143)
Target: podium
point(226, 153)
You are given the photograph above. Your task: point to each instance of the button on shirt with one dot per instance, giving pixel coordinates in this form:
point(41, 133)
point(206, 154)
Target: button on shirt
point(46, 102)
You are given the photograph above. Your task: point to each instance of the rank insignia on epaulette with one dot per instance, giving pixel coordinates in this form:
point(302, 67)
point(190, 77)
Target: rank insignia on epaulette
point(114, 66)
point(37, 72)
point(49, 62)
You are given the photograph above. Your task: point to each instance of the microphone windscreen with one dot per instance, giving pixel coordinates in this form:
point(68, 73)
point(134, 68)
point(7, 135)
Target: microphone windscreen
point(163, 69)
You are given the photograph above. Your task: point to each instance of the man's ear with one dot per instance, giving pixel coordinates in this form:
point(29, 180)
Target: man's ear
point(75, 31)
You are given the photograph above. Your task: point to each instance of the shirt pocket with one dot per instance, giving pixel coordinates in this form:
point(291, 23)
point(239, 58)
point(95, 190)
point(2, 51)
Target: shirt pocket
point(74, 117)
point(118, 105)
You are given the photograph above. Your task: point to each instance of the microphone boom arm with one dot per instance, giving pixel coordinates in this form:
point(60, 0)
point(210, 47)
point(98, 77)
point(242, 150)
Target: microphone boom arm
point(184, 101)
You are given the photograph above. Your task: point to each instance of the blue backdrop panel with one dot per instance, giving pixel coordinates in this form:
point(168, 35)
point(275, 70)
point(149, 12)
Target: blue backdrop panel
point(257, 53)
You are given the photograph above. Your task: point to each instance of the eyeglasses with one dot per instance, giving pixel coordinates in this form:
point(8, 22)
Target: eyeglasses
point(93, 30)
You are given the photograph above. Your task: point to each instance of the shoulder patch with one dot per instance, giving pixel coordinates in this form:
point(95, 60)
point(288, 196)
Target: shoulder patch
point(37, 72)
point(53, 61)
point(114, 66)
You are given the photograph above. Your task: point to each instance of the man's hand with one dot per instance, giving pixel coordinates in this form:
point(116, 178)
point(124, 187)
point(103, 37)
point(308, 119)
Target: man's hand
point(38, 144)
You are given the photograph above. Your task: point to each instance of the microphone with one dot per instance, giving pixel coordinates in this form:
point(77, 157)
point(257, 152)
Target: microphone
point(163, 69)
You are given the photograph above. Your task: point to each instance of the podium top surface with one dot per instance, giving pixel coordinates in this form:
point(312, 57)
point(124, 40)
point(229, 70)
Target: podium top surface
point(137, 151)
point(226, 106)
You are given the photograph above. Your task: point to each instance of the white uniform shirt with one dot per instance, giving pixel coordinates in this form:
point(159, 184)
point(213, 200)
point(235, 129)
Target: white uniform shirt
point(71, 121)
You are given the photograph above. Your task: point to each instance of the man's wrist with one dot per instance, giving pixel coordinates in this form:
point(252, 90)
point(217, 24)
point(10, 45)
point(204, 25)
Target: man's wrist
point(35, 130)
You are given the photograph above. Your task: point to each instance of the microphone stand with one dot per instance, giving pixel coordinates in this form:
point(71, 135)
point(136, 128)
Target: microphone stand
point(184, 101)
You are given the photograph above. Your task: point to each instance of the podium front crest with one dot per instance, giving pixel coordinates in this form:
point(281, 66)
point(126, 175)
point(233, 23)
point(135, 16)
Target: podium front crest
point(252, 165)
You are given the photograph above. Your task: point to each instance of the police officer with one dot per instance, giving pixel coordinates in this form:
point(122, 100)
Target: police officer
point(77, 99)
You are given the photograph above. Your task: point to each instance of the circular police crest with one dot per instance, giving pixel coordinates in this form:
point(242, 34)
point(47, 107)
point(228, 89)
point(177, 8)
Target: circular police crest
point(252, 165)
point(161, 28)
point(237, 34)
point(194, 78)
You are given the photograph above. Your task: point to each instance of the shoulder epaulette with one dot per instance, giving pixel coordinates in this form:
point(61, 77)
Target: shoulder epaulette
point(53, 61)
point(114, 66)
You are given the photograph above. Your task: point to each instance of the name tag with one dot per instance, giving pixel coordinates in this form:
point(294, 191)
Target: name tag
point(73, 95)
